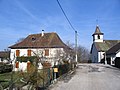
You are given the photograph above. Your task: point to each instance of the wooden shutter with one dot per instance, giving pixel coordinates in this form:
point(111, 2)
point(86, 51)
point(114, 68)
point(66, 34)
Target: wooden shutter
point(28, 66)
point(17, 53)
point(46, 52)
point(17, 65)
point(29, 52)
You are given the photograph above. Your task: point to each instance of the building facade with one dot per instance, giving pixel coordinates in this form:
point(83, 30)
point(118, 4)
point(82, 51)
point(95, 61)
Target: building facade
point(47, 46)
point(100, 47)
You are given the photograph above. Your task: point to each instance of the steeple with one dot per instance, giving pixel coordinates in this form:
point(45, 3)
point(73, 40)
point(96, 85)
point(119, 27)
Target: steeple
point(97, 31)
point(97, 35)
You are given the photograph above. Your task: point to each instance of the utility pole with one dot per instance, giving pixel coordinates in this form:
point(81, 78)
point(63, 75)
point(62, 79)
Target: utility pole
point(76, 47)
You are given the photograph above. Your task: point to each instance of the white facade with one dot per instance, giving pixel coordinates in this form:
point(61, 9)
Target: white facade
point(97, 55)
point(54, 54)
point(118, 54)
point(113, 57)
point(94, 55)
point(100, 56)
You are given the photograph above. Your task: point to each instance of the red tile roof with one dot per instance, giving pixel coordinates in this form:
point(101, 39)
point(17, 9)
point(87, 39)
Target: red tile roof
point(49, 40)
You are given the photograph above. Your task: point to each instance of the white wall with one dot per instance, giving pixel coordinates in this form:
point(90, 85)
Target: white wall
point(118, 54)
point(94, 55)
point(98, 40)
point(113, 57)
point(100, 56)
point(23, 52)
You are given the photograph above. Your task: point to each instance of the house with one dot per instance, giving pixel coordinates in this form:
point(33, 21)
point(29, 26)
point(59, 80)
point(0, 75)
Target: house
point(4, 56)
point(48, 46)
point(113, 54)
point(101, 46)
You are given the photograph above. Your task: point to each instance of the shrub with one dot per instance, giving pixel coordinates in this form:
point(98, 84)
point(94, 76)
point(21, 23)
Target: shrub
point(6, 68)
point(63, 68)
point(25, 58)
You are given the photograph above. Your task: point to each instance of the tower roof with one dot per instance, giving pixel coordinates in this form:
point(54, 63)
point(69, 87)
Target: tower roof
point(97, 31)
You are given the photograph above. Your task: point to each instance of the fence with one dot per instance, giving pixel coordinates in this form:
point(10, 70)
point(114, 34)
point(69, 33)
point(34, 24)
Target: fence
point(39, 79)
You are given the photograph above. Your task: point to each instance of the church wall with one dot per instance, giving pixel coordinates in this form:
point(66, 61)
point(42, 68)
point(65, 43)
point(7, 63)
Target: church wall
point(98, 38)
point(100, 56)
point(94, 55)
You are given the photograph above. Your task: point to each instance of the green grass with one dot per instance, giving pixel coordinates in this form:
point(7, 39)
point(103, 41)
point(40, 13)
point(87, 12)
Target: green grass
point(5, 78)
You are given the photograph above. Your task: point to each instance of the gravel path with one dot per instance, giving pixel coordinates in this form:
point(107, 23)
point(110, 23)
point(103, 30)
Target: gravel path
point(91, 77)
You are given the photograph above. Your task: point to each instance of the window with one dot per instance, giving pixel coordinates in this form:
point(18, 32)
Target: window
point(17, 53)
point(33, 38)
point(47, 52)
point(98, 36)
point(29, 52)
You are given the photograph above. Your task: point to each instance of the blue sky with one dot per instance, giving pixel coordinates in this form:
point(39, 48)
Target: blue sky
point(19, 18)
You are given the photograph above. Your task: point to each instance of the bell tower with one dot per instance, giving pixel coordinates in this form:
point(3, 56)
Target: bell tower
point(97, 36)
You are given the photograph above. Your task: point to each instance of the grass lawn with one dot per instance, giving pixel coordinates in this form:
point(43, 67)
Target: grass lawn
point(7, 79)
point(18, 79)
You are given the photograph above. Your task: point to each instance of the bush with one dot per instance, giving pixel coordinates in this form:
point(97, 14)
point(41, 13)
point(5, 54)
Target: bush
point(25, 59)
point(6, 68)
point(63, 68)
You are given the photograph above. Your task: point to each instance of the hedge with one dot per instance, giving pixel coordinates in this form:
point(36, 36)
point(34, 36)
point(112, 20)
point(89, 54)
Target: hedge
point(25, 59)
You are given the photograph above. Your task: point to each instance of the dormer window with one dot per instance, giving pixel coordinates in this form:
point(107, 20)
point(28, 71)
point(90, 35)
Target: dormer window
point(33, 38)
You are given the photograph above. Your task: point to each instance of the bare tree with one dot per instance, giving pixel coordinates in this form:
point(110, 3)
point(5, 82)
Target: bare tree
point(83, 54)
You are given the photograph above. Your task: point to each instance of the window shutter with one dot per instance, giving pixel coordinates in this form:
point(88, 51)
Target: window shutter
point(17, 53)
point(17, 65)
point(29, 52)
point(28, 66)
point(47, 52)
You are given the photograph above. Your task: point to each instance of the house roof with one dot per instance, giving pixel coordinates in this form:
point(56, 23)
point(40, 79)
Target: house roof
point(105, 45)
point(97, 31)
point(4, 54)
point(48, 40)
point(114, 49)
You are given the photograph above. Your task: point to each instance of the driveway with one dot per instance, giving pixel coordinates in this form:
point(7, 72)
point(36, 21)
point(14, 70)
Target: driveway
point(91, 77)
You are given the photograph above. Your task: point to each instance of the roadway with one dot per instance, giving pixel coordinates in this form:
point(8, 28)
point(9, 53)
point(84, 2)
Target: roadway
point(91, 77)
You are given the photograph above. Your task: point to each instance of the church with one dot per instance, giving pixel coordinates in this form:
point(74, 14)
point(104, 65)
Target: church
point(104, 51)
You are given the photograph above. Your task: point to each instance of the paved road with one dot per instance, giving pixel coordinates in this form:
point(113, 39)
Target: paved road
point(91, 77)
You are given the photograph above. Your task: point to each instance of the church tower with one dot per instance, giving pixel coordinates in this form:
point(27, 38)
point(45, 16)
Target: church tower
point(97, 36)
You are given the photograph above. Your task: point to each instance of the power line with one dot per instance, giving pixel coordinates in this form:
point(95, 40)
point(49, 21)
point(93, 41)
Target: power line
point(65, 15)
point(71, 27)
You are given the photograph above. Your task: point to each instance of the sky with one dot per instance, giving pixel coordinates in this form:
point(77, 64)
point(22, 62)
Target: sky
point(20, 18)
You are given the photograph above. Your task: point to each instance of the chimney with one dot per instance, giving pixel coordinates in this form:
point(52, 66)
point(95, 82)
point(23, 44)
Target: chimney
point(42, 32)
